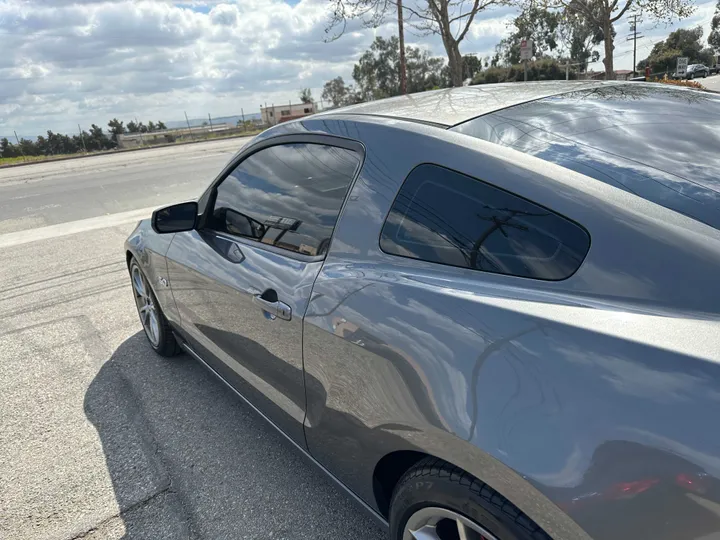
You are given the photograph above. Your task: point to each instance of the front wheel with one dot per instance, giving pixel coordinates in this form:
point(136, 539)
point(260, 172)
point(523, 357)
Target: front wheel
point(691, 77)
point(438, 501)
point(157, 329)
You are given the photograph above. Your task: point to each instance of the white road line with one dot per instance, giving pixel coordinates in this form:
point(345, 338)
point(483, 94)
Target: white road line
point(73, 227)
point(212, 155)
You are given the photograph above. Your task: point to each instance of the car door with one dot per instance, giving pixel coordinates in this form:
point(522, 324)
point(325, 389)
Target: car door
point(242, 280)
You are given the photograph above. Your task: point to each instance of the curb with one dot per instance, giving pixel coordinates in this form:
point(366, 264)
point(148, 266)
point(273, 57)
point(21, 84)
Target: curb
point(121, 151)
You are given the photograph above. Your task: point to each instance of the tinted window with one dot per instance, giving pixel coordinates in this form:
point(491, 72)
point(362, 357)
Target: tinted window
point(660, 143)
point(446, 217)
point(287, 196)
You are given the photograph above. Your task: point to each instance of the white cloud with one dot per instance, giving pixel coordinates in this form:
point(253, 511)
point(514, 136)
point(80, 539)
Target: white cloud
point(66, 62)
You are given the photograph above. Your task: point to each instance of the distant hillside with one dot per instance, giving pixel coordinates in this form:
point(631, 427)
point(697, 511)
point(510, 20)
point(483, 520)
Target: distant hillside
point(219, 120)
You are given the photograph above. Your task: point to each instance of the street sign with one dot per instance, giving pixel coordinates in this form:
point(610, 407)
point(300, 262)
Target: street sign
point(682, 64)
point(526, 49)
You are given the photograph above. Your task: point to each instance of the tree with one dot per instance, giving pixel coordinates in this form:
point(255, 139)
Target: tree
point(132, 127)
point(143, 128)
point(424, 72)
point(450, 19)
point(714, 37)
point(536, 23)
point(544, 69)
point(151, 126)
point(161, 125)
point(471, 66)
point(97, 140)
point(306, 96)
point(605, 13)
point(116, 128)
point(377, 72)
point(336, 92)
point(681, 42)
point(578, 36)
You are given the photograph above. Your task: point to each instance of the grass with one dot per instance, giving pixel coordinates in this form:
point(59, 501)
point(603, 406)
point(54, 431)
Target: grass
point(212, 136)
point(14, 160)
point(679, 82)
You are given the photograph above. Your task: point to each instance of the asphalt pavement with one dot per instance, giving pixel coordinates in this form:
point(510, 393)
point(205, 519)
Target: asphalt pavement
point(100, 438)
point(711, 83)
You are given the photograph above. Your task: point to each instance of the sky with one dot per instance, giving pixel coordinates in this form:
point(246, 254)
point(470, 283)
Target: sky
point(70, 62)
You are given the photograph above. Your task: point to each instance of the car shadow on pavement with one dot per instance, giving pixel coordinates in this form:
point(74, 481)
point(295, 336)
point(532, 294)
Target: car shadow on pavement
point(188, 459)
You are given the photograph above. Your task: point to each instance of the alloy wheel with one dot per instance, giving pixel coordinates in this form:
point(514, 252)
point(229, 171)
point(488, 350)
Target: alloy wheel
point(146, 306)
point(434, 523)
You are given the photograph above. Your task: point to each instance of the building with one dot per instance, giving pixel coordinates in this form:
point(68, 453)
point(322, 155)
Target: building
point(167, 136)
point(620, 75)
point(282, 113)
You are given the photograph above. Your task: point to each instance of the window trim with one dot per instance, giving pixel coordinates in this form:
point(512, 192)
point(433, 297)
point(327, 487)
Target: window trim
point(281, 140)
point(475, 270)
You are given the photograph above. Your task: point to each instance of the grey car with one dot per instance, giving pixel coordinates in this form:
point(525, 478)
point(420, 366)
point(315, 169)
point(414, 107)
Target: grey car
point(485, 312)
point(695, 70)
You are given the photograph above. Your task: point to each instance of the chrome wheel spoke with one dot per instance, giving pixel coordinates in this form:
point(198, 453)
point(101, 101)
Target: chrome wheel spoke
point(435, 523)
point(463, 531)
point(153, 323)
point(146, 306)
point(138, 283)
point(425, 533)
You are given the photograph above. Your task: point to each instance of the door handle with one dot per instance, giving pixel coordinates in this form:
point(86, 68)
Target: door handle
point(275, 309)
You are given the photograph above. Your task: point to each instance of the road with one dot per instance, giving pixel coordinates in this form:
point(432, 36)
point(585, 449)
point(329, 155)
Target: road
point(711, 83)
point(99, 437)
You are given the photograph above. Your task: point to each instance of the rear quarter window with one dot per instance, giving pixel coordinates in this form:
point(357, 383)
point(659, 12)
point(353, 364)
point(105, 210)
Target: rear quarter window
point(443, 216)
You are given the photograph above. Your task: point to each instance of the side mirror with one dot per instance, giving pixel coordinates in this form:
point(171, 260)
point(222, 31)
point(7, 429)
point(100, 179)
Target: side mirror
point(176, 218)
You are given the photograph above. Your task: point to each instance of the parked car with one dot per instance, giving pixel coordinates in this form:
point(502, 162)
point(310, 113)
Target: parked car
point(486, 312)
point(714, 70)
point(693, 71)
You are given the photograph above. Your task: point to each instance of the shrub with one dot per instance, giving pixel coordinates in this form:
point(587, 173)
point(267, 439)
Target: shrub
point(679, 82)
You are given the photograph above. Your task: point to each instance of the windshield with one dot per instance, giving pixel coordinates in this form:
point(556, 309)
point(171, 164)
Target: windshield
point(660, 143)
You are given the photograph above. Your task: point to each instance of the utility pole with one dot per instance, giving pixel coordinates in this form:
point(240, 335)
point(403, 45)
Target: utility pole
point(19, 146)
point(242, 112)
point(188, 125)
point(82, 138)
point(634, 37)
point(401, 34)
point(142, 140)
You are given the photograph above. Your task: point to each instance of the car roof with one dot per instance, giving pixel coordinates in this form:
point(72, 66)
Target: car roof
point(451, 106)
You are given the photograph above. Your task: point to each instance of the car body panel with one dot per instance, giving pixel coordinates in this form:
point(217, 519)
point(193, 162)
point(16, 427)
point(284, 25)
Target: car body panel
point(260, 355)
point(589, 402)
point(451, 106)
point(149, 249)
point(540, 378)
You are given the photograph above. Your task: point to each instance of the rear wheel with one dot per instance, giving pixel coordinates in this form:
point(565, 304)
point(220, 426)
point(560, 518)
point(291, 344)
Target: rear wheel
point(157, 329)
point(438, 501)
point(691, 76)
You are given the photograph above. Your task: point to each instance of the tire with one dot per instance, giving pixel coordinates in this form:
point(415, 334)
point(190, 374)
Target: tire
point(158, 333)
point(691, 77)
point(434, 485)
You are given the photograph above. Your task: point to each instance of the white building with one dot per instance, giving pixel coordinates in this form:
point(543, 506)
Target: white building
point(282, 113)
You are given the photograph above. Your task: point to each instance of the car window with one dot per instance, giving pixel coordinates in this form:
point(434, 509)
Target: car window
point(446, 217)
point(287, 196)
point(655, 141)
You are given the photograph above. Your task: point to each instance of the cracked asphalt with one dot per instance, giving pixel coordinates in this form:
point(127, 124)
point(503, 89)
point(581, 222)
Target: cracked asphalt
point(99, 437)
